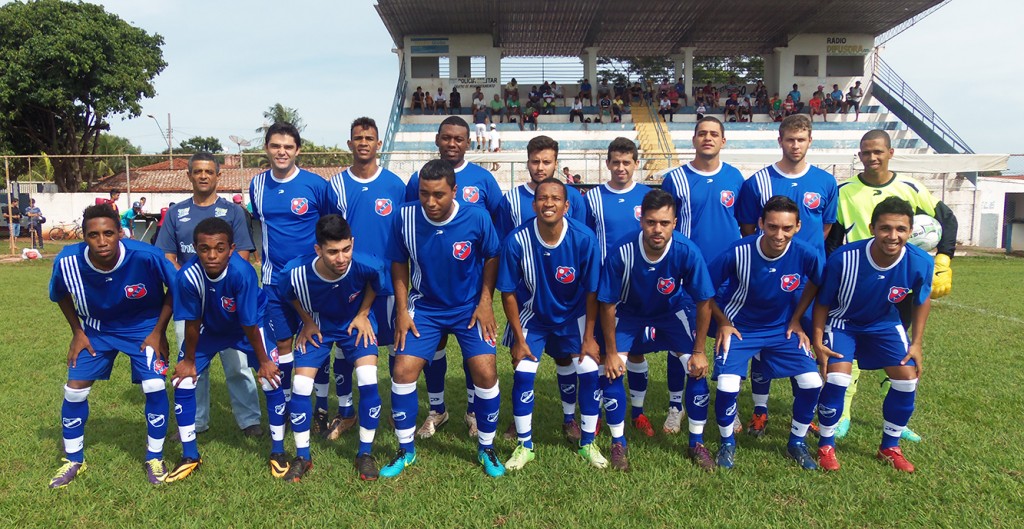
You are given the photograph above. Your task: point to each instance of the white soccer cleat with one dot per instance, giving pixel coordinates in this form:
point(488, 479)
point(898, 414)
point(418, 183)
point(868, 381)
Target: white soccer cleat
point(471, 423)
point(434, 421)
point(673, 421)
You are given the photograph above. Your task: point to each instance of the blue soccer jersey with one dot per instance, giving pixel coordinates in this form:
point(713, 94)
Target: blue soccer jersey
point(369, 205)
point(551, 282)
point(653, 289)
point(126, 300)
point(288, 211)
point(333, 304)
point(863, 296)
point(706, 206)
point(814, 191)
point(476, 186)
point(176, 234)
point(517, 208)
point(446, 258)
point(224, 303)
point(614, 214)
point(761, 292)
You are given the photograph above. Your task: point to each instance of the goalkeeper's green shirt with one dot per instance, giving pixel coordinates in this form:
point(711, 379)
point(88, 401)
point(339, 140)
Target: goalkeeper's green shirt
point(858, 199)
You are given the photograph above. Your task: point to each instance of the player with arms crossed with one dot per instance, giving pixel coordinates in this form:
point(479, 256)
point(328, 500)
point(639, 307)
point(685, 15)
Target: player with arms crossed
point(333, 292)
point(856, 317)
point(548, 276)
point(218, 296)
point(815, 192)
point(642, 284)
point(444, 264)
point(112, 294)
point(754, 313)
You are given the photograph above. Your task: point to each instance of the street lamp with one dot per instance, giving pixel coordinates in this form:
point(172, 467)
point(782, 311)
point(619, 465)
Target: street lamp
point(170, 145)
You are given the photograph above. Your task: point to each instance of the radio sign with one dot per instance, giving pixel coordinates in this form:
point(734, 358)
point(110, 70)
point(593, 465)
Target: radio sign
point(839, 46)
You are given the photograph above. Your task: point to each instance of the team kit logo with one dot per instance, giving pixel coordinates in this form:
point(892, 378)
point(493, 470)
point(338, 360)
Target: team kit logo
point(728, 198)
point(812, 200)
point(636, 212)
point(137, 291)
point(565, 274)
point(790, 282)
point(666, 285)
point(471, 194)
point(300, 206)
point(228, 303)
point(462, 250)
point(383, 206)
point(898, 294)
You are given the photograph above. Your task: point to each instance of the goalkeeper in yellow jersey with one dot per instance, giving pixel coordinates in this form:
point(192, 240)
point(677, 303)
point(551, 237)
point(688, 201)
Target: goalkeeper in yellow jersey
point(858, 197)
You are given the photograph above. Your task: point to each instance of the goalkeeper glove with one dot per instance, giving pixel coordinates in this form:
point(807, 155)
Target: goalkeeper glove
point(942, 282)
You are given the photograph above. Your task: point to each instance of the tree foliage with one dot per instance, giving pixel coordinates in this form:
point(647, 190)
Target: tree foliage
point(66, 69)
point(717, 70)
point(278, 113)
point(199, 144)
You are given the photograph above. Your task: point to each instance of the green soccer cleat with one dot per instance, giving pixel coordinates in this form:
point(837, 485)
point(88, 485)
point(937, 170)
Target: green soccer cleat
point(520, 457)
point(842, 429)
point(398, 464)
point(592, 454)
point(910, 435)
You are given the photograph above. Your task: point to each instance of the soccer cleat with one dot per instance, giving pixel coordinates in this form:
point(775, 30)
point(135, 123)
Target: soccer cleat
point(620, 457)
point(67, 473)
point(673, 421)
point(492, 467)
point(471, 423)
point(726, 457)
point(894, 456)
point(252, 431)
point(592, 454)
point(800, 454)
point(298, 469)
point(737, 425)
point(366, 465)
point(156, 471)
point(339, 425)
point(910, 435)
point(827, 458)
point(520, 457)
point(814, 428)
point(319, 426)
point(757, 425)
point(185, 468)
point(434, 421)
point(842, 428)
point(701, 457)
point(278, 464)
point(571, 431)
point(643, 424)
point(401, 460)
point(510, 432)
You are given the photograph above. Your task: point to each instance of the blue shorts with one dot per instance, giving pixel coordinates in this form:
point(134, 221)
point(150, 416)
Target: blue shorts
point(558, 343)
point(316, 356)
point(433, 327)
point(871, 349)
point(211, 344)
point(780, 358)
point(145, 364)
point(646, 344)
point(667, 333)
point(281, 315)
point(383, 311)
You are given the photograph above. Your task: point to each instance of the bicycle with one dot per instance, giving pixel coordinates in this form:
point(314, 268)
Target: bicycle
point(66, 230)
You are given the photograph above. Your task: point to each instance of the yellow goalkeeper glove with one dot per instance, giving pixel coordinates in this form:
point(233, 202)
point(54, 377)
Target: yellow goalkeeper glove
point(942, 282)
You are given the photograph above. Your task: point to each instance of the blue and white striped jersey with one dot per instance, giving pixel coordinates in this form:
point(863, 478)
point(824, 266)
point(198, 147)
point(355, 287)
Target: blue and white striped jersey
point(517, 207)
point(614, 214)
point(475, 186)
point(706, 206)
point(288, 211)
point(223, 304)
point(332, 304)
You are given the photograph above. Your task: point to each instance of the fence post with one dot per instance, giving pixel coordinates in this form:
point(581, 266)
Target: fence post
point(128, 179)
point(10, 232)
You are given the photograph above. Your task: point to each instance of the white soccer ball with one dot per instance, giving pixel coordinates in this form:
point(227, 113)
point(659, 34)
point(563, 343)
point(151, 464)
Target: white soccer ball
point(926, 233)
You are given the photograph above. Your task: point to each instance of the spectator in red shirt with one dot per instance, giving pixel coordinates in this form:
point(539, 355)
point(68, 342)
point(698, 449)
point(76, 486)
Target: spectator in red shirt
point(818, 107)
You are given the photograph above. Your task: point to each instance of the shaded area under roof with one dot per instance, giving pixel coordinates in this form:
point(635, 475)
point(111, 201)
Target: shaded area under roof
point(645, 28)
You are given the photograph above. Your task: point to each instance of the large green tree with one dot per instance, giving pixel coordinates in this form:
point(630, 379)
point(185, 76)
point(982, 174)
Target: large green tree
point(199, 144)
point(278, 113)
point(65, 69)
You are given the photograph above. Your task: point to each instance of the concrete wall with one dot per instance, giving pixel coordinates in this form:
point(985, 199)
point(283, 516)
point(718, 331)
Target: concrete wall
point(453, 46)
point(67, 207)
point(989, 219)
point(779, 69)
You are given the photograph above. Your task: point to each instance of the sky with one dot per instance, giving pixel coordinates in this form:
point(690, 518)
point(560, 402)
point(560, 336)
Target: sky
point(332, 61)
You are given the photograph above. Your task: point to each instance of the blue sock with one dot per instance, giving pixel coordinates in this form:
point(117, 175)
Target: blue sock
point(725, 414)
point(567, 390)
point(759, 387)
point(697, 396)
point(590, 399)
point(804, 402)
point(676, 381)
point(277, 408)
point(403, 410)
point(830, 406)
point(614, 402)
point(369, 407)
point(301, 412)
point(522, 400)
point(435, 372)
point(74, 412)
point(185, 411)
point(323, 376)
point(637, 373)
point(486, 406)
point(897, 408)
point(343, 386)
point(157, 408)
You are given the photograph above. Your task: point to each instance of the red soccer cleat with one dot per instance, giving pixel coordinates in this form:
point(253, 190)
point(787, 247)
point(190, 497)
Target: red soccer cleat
point(894, 456)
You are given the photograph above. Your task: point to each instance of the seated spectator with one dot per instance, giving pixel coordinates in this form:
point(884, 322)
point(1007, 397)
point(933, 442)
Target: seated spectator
point(440, 102)
point(649, 91)
point(586, 91)
point(701, 110)
point(619, 88)
point(618, 107)
point(512, 88)
point(680, 87)
point(673, 98)
point(734, 86)
point(514, 110)
point(568, 176)
point(775, 108)
point(604, 106)
point(746, 112)
point(732, 106)
point(665, 107)
point(497, 109)
point(576, 111)
point(830, 104)
point(417, 99)
point(548, 101)
point(480, 126)
point(710, 95)
point(795, 95)
point(761, 97)
point(478, 99)
point(789, 106)
point(534, 96)
point(818, 107)
point(664, 86)
point(603, 90)
point(559, 93)
point(455, 101)
point(530, 114)
point(820, 92)
point(837, 98)
point(636, 92)
point(428, 102)
point(853, 99)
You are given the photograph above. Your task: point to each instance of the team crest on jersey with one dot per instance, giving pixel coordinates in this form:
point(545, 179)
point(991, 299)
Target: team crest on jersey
point(728, 198)
point(135, 291)
point(636, 212)
point(898, 294)
point(471, 194)
point(220, 212)
point(790, 282)
point(228, 303)
point(666, 285)
point(565, 274)
point(812, 200)
point(352, 297)
point(462, 249)
point(383, 206)
point(300, 206)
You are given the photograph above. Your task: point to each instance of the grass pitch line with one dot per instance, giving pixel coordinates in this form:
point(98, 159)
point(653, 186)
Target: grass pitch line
point(976, 310)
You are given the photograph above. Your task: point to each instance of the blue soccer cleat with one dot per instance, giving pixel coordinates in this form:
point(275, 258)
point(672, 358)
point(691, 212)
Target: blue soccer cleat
point(726, 457)
point(401, 460)
point(799, 453)
point(492, 466)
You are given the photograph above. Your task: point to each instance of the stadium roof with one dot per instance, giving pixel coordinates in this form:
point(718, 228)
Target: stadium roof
point(645, 27)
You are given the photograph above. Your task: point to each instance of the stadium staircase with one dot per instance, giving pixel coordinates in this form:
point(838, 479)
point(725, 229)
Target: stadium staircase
point(654, 137)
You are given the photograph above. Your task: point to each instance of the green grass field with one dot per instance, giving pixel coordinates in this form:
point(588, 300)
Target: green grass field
point(970, 469)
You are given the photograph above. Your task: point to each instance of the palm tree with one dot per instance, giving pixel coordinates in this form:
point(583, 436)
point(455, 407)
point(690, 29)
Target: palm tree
point(278, 113)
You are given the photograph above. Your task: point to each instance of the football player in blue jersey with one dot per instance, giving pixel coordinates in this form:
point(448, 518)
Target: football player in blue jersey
point(115, 296)
point(218, 296)
point(758, 280)
point(287, 201)
point(368, 196)
point(548, 276)
point(333, 292)
point(642, 285)
point(444, 264)
point(856, 317)
point(477, 187)
point(705, 190)
point(815, 192)
point(517, 208)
